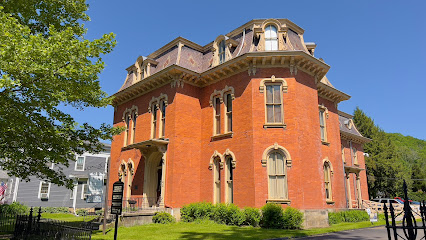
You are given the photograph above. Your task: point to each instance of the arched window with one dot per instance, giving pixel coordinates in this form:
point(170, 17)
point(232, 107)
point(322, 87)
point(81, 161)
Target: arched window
point(229, 180)
point(216, 179)
point(327, 181)
point(271, 38)
point(222, 52)
point(163, 118)
point(277, 177)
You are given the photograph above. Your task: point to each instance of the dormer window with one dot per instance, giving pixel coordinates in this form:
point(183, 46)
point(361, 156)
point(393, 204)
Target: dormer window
point(271, 38)
point(222, 52)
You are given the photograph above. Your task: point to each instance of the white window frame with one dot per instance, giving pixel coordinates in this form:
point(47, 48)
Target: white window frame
point(154, 120)
point(48, 189)
point(285, 180)
point(222, 51)
point(217, 115)
point(281, 104)
point(84, 163)
point(355, 155)
point(162, 127)
point(323, 113)
point(271, 39)
point(328, 184)
point(228, 114)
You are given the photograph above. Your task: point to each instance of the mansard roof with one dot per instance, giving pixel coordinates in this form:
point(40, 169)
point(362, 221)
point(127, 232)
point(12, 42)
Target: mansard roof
point(348, 130)
point(184, 60)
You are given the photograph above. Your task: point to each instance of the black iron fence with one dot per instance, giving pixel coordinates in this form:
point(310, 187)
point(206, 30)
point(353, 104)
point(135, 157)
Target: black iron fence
point(32, 226)
point(409, 228)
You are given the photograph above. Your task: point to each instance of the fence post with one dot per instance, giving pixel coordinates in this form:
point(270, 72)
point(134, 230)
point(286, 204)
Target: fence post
point(30, 220)
point(392, 212)
point(385, 208)
point(423, 215)
point(38, 220)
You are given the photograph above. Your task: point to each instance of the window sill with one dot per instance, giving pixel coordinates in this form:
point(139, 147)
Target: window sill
point(329, 202)
point(325, 143)
point(222, 136)
point(274, 125)
point(284, 201)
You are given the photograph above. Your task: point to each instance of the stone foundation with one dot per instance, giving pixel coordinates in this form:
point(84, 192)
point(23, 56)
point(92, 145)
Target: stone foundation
point(315, 218)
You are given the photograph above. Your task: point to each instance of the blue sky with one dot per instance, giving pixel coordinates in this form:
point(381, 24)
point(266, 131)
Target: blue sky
point(376, 49)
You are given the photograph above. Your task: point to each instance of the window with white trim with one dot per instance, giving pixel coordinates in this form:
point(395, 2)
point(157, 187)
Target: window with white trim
point(327, 181)
point(134, 117)
point(343, 154)
point(79, 164)
point(274, 103)
point(126, 135)
point(277, 178)
point(44, 190)
point(229, 180)
point(271, 38)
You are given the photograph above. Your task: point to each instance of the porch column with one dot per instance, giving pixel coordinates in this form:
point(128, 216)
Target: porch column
point(358, 186)
point(163, 150)
point(348, 190)
point(145, 203)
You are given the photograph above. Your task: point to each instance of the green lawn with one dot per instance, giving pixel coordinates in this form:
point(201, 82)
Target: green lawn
point(67, 217)
point(211, 230)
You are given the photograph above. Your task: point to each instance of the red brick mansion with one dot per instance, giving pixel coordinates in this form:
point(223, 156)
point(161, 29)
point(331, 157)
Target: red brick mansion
point(249, 118)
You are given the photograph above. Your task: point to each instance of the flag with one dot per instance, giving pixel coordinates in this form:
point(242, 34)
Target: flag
point(3, 188)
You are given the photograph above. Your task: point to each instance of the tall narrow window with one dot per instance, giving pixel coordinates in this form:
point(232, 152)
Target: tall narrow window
point(228, 109)
point(154, 121)
point(222, 52)
point(163, 118)
point(343, 154)
point(277, 176)
point(327, 181)
point(216, 177)
point(79, 164)
point(126, 134)
point(323, 129)
point(134, 117)
point(274, 104)
point(229, 181)
point(271, 38)
point(355, 156)
point(217, 115)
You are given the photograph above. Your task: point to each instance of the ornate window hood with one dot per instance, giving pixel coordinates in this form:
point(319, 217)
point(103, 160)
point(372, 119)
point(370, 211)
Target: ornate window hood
point(160, 144)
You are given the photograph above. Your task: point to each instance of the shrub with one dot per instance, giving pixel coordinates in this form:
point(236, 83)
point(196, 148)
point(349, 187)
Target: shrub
point(99, 212)
point(196, 211)
point(251, 216)
point(81, 212)
point(293, 218)
point(163, 218)
point(272, 216)
point(348, 216)
point(227, 214)
point(14, 208)
point(219, 213)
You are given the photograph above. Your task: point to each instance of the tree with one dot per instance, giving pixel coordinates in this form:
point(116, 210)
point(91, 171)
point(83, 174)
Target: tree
point(45, 63)
point(385, 170)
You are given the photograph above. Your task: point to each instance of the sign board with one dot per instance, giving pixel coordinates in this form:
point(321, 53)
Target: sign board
point(117, 197)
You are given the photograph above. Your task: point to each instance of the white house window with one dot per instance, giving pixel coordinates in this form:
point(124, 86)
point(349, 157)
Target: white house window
point(274, 105)
point(44, 190)
point(277, 176)
point(271, 38)
point(222, 52)
point(79, 164)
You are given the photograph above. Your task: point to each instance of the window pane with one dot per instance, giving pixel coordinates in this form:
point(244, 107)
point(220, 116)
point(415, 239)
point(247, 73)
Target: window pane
point(321, 116)
point(273, 31)
point(322, 134)
point(273, 186)
point(280, 187)
point(280, 163)
point(274, 45)
point(277, 95)
point(270, 113)
point(269, 94)
point(268, 45)
point(229, 102)
point(277, 113)
point(230, 122)
point(217, 106)
point(271, 164)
